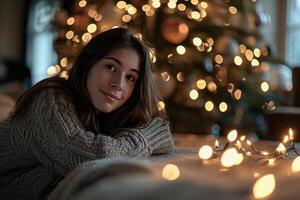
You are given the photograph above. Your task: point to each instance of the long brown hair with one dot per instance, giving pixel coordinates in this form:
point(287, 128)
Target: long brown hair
point(140, 108)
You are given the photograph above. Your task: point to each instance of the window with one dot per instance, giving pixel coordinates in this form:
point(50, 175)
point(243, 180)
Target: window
point(292, 46)
point(40, 53)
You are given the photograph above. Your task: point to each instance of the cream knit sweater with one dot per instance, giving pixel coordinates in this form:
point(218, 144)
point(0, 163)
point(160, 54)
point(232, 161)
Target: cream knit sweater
point(37, 150)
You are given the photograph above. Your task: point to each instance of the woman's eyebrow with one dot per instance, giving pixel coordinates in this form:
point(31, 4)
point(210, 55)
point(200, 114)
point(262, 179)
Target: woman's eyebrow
point(115, 59)
point(120, 63)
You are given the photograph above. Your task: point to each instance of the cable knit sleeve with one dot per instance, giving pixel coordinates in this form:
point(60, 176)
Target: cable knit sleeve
point(62, 143)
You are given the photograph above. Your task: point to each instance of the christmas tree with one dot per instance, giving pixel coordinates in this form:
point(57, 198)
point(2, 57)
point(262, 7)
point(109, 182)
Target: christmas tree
point(213, 63)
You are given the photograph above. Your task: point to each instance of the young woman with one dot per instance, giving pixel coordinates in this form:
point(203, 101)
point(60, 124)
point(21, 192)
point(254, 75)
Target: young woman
point(106, 108)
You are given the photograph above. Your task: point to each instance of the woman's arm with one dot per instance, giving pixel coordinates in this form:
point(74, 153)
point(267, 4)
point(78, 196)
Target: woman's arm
point(62, 143)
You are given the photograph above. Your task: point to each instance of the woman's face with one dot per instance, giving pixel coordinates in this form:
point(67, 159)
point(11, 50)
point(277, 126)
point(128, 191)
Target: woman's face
point(111, 80)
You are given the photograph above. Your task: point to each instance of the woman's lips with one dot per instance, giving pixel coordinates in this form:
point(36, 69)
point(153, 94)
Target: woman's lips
point(110, 96)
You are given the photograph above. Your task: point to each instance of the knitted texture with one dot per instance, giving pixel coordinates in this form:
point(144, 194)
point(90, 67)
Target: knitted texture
point(40, 147)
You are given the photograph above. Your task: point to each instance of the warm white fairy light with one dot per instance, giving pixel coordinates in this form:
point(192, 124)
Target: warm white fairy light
point(82, 3)
point(264, 86)
point(237, 94)
point(243, 48)
point(249, 54)
point(232, 135)
point(239, 159)
point(255, 62)
point(264, 186)
point(121, 4)
point(53, 70)
point(161, 105)
point(242, 138)
point(92, 28)
point(209, 106)
point(170, 172)
point(204, 4)
point(165, 76)
point(223, 106)
point(291, 134)
point(232, 10)
point(217, 144)
point(205, 152)
point(194, 94)
point(285, 139)
point(171, 4)
point(69, 35)
point(238, 60)
point(281, 148)
point(126, 18)
point(296, 164)
point(210, 41)
point(194, 2)
point(201, 84)
point(180, 77)
point(197, 41)
point(180, 50)
point(86, 37)
point(132, 10)
point(229, 157)
point(257, 52)
point(70, 21)
point(212, 86)
point(181, 7)
point(64, 62)
point(146, 8)
point(219, 59)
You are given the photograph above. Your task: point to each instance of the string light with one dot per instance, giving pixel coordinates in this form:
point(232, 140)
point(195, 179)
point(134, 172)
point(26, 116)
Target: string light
point(238, 60)
point(181, 50)
point(264, 86)
point(232, 10)
point(70, 21)
point(161, 105)
point(194, 94)
point(264, 186)
point(170, 172)
point(201, 84)
point(223, 106)
point(209, 106)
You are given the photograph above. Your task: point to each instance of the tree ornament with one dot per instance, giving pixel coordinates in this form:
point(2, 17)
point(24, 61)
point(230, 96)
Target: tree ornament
point(174, 30)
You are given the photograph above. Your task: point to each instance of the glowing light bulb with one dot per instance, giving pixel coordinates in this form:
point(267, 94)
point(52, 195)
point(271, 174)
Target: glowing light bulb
point(205, 152)
point(201, 84)
point(264, 86)
point(223, 106)
point(285, 139)
point(229, 157)
point(209, 106)
point(92, 28)
point(181, 50)
point(296, 164)
point(194, 94)
point(232, 135)
point(161, 105)
point(239, 159)
point(281, 148)
point(291, 134)
point(217, 144)
point(170, 172)
point(238, 60)
point(264, 186)
point(197, 41)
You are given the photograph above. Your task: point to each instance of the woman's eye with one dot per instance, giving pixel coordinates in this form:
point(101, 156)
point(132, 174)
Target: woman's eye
point(131, 78)
point(110, 67)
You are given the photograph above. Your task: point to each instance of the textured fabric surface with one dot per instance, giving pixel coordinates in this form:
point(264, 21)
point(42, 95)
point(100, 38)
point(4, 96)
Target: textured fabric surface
point(39, 148)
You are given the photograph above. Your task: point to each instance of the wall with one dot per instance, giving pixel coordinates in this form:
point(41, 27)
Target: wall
point(12, 28)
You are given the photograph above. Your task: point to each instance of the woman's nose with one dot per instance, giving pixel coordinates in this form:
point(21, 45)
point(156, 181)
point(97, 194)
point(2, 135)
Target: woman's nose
point(117, 83)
